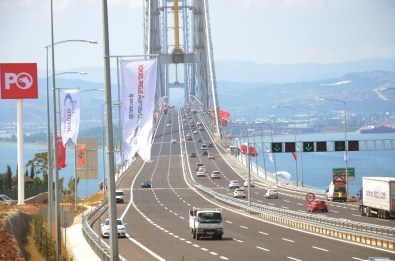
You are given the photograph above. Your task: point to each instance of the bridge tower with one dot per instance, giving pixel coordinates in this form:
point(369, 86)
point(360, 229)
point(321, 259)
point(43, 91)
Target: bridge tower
point(178, 32)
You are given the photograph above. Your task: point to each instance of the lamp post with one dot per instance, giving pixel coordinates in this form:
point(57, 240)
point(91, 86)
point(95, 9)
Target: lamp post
point(345, 134)
point(49, 145)
point(296, 159)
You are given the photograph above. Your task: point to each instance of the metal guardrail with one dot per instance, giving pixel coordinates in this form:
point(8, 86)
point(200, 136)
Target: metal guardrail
point(102, 250)
point(364, 229)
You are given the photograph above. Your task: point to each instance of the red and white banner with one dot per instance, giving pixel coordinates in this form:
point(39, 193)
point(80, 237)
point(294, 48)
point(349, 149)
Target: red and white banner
point(69, 109)
point(138, 104)
point(18, 81)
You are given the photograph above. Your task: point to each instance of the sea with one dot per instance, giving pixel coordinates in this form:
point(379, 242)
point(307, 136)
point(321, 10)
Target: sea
point(86, 187)
point(314, 168)
point(376, 158)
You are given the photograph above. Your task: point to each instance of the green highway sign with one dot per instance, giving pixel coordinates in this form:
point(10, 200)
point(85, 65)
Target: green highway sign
point(342, 171)
point(308, 146)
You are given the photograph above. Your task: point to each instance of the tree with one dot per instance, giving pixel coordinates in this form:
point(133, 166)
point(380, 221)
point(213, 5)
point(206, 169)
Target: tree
point(8, 179)
point(32, 174)
point(40, 164)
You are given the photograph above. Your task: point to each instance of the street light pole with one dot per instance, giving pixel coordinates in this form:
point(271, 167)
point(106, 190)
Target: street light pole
point(296, 159)
point(49, 145)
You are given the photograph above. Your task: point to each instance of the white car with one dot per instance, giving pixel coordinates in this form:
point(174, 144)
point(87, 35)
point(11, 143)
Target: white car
point(210, 156)
point(251, 183)
point(239, 193)
point(201, 173)
point(216, 174)
point(4, 199)
point(203, 147)
point(234, 184)
point(105, 228)
point(271, 193)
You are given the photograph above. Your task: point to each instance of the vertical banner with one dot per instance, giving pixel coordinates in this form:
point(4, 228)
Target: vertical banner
point(138, 104)
point(69, 108)
point(61, 154)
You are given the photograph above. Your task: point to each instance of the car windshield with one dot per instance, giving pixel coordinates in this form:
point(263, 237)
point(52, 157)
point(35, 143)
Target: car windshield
point(208, 217)
point(119, 193)
point(340, 189)
point(119, 222)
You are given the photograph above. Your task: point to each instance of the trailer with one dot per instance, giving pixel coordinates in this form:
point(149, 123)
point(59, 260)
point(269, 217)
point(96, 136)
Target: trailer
point(377, 197)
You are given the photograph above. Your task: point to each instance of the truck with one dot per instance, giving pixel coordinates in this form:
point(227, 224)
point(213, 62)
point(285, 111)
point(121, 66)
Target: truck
point(206, 223)
point(377, 197)
point(337, 191)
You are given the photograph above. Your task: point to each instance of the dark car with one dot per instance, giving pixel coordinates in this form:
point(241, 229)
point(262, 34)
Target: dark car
point(146, 183)
point(317, 205)
point(192, 155)
point(204, 153)
point(199, 140)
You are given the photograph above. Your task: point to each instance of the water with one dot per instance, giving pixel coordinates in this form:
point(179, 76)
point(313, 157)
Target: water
point(316, 167)
point(8, 156)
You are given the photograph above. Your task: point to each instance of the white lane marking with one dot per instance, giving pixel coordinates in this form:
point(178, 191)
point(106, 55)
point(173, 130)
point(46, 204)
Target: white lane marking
point(214, 254)
point(267, 250)
point(326, 250)
point(204, 249)
point(263, 233)
point(238, 240)
point(356, 258)
point(292, 258)
point(228, 222)
point(300, 204)
point(195, 245)
point(244, 227)
point(289, 240)
point(224, 257)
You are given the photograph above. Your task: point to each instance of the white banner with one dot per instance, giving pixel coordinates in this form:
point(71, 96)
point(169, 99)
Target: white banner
point(138, 103)
point(69, 108)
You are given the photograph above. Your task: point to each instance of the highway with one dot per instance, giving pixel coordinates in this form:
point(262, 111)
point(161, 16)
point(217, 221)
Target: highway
point(157, 217)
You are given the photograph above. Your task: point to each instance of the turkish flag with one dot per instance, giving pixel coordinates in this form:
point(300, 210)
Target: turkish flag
point(61, 154)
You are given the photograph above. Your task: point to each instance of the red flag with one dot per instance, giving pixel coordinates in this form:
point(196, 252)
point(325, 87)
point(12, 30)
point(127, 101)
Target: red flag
point(61, 153)
point(294, 155)
point(81, 155)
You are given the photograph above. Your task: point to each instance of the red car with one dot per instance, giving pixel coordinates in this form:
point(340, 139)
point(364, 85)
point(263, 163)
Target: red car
point(317, 205)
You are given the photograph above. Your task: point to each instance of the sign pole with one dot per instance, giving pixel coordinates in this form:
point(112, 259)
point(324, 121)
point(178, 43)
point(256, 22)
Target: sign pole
point(21, 168)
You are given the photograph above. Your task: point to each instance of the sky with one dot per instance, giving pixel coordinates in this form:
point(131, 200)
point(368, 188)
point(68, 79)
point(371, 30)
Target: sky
point(260, 31)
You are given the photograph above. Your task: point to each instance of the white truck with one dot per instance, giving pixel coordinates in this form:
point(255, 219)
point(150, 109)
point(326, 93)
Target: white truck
point(377, 197)
point(206, 222)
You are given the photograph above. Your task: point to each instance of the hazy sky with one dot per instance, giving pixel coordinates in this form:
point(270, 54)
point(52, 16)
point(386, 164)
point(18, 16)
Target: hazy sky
point(262, 31)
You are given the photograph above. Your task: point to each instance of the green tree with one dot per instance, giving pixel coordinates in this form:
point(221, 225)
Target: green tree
point(8, 179)
point(32, 174)
point(40, 164)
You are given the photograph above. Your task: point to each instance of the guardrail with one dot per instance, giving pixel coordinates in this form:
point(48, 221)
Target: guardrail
point(101, 249)
point(381, 236)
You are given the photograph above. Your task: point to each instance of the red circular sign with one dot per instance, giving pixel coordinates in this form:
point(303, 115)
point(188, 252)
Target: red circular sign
point(310, 197)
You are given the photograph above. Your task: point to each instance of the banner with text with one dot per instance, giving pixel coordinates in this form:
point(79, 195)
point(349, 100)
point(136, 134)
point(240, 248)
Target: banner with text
point(69, 108)
point(138, 103)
